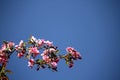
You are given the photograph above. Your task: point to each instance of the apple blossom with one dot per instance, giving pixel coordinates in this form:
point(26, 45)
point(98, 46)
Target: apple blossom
point(45, 52)
point(3, 59)
point(20, 46)
point(52, 50)
point(48, 43)
point(73, 52)
point(48, 59)
point(31, 63)
point(56, 60)
point(20, 54)
point(40, 42)
point(71, 64)
point(34, 51)
point(33, 39)
point(3, 47)
point(54, 64)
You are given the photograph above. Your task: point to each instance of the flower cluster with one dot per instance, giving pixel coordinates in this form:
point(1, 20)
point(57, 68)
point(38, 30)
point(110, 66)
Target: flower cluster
point(39, 53)
point(74, 54)
point(71, 55)
point(49, 57)
point(20, 49)
point(5, 51)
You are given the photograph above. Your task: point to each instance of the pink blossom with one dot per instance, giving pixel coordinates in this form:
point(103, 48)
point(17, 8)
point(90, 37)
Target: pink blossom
point(45, 52)
point(46, 58)
point(76, 55)
point(33, 39)
point(3, 59)
point(69, 49)
point(21, 43)
point(52, 50)
point(71, 64)
point(20, 54)
point(73, 52)
point(7, 46)
point(54, 64)
point(3, 47)
point(48, 51)
point(31, 63)
point(20, 46)
point(34, 51)
point(11, 44)
point(57, 60)
point(40, 42)
point(48, 43)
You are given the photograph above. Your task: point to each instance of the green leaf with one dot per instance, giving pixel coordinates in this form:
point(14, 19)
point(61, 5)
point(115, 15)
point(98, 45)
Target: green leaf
point(38, 61)
point(5, 42)
point(24, 44)
point(29, 42)
point(67, 62)
point(53, 55)
point(27, 56)
point(8, 71)
point(57, 51)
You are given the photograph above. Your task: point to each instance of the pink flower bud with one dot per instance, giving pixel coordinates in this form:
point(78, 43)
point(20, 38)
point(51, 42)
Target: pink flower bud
point(71, 64)
point(31, 63)
point(20, 55)
point(21, 43)
point(69, 49)
point(54, 64)
point(3, 59)
point(57, 60)
point(20, 46)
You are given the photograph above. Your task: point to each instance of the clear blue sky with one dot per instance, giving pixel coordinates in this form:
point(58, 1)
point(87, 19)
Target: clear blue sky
point(90, 26)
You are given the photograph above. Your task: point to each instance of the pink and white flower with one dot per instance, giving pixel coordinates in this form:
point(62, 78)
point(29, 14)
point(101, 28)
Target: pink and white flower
point(69, 49)
point(7, 46)
point(11, 44)
point(34, 51)
point(20, 46)
point(40, 42)
point(3, 59)
point(52, 50)
point(48, 43)
point(45, 52)
point(71, 64)
point(54, 64)
point(73, 52)
point(31, 63)
point(3, 47)
point(33, 39)
point(20, 54)
point(21, 43)
point(46, 58)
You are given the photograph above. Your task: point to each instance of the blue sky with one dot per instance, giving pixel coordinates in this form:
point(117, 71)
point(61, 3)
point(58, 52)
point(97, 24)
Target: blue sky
point(91, 27)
